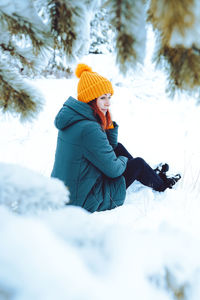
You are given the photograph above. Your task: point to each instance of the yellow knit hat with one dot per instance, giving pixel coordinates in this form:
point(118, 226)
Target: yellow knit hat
point(91, 85)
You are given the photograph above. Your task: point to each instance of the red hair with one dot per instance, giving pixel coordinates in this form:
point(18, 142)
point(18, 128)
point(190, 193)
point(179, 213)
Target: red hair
point(104, 120)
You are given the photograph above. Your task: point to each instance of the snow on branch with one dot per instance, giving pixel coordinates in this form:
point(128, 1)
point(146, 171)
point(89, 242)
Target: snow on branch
point(177, 25)
point(182, 66)
point(92, 5)
point(25, 23)
point(171, 16)
point(17, 54)
point(70, 25)
point(128, 18)
point(17, 96)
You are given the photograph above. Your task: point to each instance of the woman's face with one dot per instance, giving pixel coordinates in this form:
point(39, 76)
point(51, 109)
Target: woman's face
point(103, 103)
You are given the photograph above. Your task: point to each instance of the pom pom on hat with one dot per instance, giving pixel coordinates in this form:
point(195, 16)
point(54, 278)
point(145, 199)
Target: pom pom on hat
point(91, 85)
point(82, 68)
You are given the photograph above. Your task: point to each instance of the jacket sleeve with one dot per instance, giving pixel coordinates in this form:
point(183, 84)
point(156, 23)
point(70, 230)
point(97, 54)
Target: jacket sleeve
point(112, 135)
point(100, 153)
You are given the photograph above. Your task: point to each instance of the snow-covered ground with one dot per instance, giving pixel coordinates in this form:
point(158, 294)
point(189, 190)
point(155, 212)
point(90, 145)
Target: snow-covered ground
point(147, 249)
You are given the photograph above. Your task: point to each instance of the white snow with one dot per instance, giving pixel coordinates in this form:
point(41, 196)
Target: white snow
point(146, 249)
point(25, 191)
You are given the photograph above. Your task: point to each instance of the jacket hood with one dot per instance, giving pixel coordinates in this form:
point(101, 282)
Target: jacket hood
point(73, 111)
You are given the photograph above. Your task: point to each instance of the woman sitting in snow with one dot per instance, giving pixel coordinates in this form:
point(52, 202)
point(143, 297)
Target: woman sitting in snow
point(89, 160)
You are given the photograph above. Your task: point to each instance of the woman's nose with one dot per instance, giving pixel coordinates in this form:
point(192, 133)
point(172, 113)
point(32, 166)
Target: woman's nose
point(107, 102)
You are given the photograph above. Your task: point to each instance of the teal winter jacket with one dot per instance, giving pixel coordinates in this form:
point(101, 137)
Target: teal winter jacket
point(85, 160)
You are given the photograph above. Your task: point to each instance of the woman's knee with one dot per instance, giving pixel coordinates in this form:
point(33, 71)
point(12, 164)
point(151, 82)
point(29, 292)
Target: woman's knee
point(119, 146)
point(139, 161)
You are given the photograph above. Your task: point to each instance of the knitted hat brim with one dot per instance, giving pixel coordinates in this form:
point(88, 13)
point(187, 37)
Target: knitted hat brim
point(96, 90)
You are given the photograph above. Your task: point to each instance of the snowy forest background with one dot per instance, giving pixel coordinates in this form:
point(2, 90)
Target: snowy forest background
point(148, 248)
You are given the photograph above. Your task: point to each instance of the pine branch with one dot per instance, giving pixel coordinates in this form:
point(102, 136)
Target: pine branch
point(128, 18)
point(16, 96)
point(63, 25)
point(21, 28)
point(176, 24)
point(61, 19)
point(182, 66)
point(24, 37)
point(16, 55)
point(92, 5)
point(195, 50)
point(169, 16)
point(177, 289)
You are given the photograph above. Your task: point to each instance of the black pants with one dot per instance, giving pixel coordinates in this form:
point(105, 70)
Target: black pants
point(138, 169)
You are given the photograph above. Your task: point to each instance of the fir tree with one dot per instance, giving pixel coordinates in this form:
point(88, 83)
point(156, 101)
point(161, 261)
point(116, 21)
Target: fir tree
point(101, 33)
point(32, 30)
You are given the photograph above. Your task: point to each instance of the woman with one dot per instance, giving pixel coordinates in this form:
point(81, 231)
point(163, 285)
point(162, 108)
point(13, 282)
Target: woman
point(89, 160)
